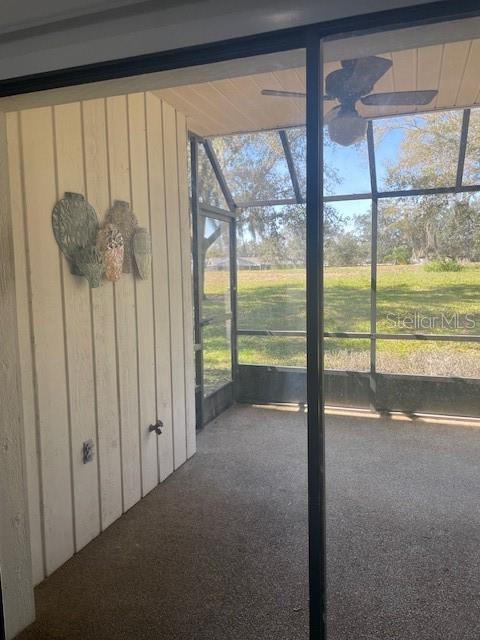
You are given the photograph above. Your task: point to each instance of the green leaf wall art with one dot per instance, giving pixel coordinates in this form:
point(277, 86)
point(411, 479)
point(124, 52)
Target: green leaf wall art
point(95, 252)
point(75, 226)
point(142, 250)
point(91, 264)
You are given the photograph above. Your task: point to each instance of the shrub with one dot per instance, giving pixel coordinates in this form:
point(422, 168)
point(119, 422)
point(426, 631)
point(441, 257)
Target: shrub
point(399, 255)
point(444, 264)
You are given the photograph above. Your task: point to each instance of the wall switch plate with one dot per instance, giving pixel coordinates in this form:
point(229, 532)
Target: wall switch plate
point(88, 452)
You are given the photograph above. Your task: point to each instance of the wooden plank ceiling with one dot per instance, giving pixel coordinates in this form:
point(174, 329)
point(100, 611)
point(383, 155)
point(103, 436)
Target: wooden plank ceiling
point(236, 105)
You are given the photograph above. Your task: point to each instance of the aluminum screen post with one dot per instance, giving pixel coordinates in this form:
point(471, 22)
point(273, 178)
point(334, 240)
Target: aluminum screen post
point(197, 294)
point(373, 266)
point(463, 147)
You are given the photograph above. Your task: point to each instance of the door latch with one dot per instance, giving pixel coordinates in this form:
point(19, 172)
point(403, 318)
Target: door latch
point(157, 427)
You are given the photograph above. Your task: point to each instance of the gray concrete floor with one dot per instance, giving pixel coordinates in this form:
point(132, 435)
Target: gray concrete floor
point(218, 552)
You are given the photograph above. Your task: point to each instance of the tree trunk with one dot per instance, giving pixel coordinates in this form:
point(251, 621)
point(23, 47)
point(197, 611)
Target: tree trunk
point(204, 245)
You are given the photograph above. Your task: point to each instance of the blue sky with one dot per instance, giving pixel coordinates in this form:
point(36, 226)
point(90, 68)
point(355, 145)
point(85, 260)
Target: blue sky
point(351, 163)
point(352, 168)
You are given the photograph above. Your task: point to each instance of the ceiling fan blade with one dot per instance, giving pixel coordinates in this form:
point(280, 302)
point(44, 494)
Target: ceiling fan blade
point(288, 94)
point(400, 98)
point(283, 94)
point(364, 73)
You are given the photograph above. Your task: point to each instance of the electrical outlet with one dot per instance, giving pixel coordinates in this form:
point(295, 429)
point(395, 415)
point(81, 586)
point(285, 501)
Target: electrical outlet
point(88, 452)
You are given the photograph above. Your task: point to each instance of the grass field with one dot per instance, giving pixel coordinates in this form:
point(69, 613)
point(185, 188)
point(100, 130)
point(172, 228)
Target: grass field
point(409, 300)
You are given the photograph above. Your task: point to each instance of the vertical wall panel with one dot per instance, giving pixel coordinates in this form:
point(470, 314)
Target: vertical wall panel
point(186, 242)
point(78, 334)
point(118, 158)
point(108, 421)
point(100, 364)
point(47, 315)
point(17, 606)
point(160, 281)
point(175, 276)
point(144, 298)
point(25, 340)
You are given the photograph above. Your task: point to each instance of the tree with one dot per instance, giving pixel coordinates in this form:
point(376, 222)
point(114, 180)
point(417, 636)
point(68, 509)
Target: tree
point(345, 250)
point(210, 234)
point(428, 152)
point(431, 226)
point(255, 168)
point(459, 236)
point(413, 228)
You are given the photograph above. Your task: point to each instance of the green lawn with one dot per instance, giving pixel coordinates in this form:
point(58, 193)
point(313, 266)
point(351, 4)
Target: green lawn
point(409, 300)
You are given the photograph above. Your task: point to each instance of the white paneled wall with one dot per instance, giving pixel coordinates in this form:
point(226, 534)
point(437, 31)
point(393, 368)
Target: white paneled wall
point(100, 364)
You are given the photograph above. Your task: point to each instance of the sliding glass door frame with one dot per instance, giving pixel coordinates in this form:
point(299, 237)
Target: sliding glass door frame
point(313, 43)
point(309, 38)
point(315, 397)
point(315, 201)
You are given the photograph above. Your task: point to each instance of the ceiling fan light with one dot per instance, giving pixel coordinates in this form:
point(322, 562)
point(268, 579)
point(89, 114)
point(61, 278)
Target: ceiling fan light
point(347, 129)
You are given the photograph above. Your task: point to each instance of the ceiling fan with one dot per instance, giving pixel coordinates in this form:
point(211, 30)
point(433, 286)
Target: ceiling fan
point(354, 82)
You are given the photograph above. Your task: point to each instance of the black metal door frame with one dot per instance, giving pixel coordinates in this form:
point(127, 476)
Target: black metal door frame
point(308, 37)
point(315, 397)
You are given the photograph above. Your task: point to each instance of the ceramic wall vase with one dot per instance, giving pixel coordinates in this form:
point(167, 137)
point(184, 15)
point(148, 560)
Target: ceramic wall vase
point(90, 263)
point(142, 250)
point(122, 217)
point(111, 245)
point(75, 226)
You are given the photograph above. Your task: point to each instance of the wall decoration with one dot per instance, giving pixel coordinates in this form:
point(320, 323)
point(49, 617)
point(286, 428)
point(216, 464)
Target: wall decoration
point(122, 217)
point(75, 226)
point(111, 244)
point(142, 250)
point(91, 264)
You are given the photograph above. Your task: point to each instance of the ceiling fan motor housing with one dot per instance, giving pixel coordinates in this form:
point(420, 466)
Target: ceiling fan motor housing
point(347, 127)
